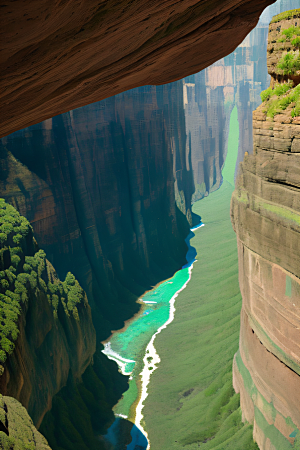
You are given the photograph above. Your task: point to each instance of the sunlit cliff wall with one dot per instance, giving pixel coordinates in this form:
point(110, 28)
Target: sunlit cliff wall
point(266, 217)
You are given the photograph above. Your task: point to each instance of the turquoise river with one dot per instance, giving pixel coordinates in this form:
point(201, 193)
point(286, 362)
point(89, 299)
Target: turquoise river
point(133, 346)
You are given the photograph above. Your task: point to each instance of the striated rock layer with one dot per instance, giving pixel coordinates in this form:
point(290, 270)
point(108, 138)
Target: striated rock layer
point(266, 217)
point(57, 56)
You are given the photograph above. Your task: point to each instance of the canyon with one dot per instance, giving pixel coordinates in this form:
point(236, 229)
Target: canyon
point(108, 190)
point(97, 185)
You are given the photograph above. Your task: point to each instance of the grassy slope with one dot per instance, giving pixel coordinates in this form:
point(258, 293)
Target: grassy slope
point(192, 403)
point(233, 148)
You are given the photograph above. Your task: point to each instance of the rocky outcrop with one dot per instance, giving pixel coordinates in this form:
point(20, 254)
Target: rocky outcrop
point(59, 56)
point(82, 411)
point(266, 217)
point(97, 185)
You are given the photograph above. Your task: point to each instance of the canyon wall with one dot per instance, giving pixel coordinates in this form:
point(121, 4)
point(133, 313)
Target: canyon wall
point(206, 131)
point(266, 217)
point(97, 185)
point(47, 334)
point(58, 56)
point(48, 355)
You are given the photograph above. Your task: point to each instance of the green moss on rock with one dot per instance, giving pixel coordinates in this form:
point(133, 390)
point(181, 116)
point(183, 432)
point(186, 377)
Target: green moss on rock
point(280, 98)
point(22, 433)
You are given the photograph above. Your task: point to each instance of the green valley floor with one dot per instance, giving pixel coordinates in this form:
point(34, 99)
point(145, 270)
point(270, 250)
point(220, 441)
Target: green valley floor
point(191, 402)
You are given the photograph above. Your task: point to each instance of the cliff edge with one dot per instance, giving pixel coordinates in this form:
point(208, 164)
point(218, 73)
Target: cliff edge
point(265, 212)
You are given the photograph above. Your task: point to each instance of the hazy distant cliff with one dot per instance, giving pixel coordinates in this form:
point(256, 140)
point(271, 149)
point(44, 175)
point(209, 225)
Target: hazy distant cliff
point(210, 96)
point(266, 217)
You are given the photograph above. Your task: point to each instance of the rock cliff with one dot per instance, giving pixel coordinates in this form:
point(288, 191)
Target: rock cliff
point(57, 56)
point(209, 98)
point(206, 131)
point(97, 185)
point(266, 217)
point(47, 335)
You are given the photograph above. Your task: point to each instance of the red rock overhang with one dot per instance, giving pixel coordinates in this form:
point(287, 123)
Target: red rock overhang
point(62, 54)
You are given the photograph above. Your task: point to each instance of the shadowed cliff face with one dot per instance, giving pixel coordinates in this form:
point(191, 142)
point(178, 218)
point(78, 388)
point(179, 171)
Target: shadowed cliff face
point(59, 56)
point(266, 217)
point(47, 335)
point(97, 184)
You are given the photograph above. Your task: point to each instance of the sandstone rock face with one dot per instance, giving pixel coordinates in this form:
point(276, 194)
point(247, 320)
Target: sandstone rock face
point(266, 217)
point(48, 351)
point(56, 57)
point(97, 185)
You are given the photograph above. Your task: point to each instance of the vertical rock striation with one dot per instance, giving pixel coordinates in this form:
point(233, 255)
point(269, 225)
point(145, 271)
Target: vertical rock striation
point(266, 217)
point(210, 96)
point(97, 185)
point(206, 130)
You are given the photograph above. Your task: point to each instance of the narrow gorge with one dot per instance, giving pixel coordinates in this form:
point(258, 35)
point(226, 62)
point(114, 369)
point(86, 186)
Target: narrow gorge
point(96, 209)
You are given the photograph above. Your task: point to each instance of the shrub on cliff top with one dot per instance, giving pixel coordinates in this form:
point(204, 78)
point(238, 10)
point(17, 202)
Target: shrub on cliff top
point(278, 90)
point(289, 63)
